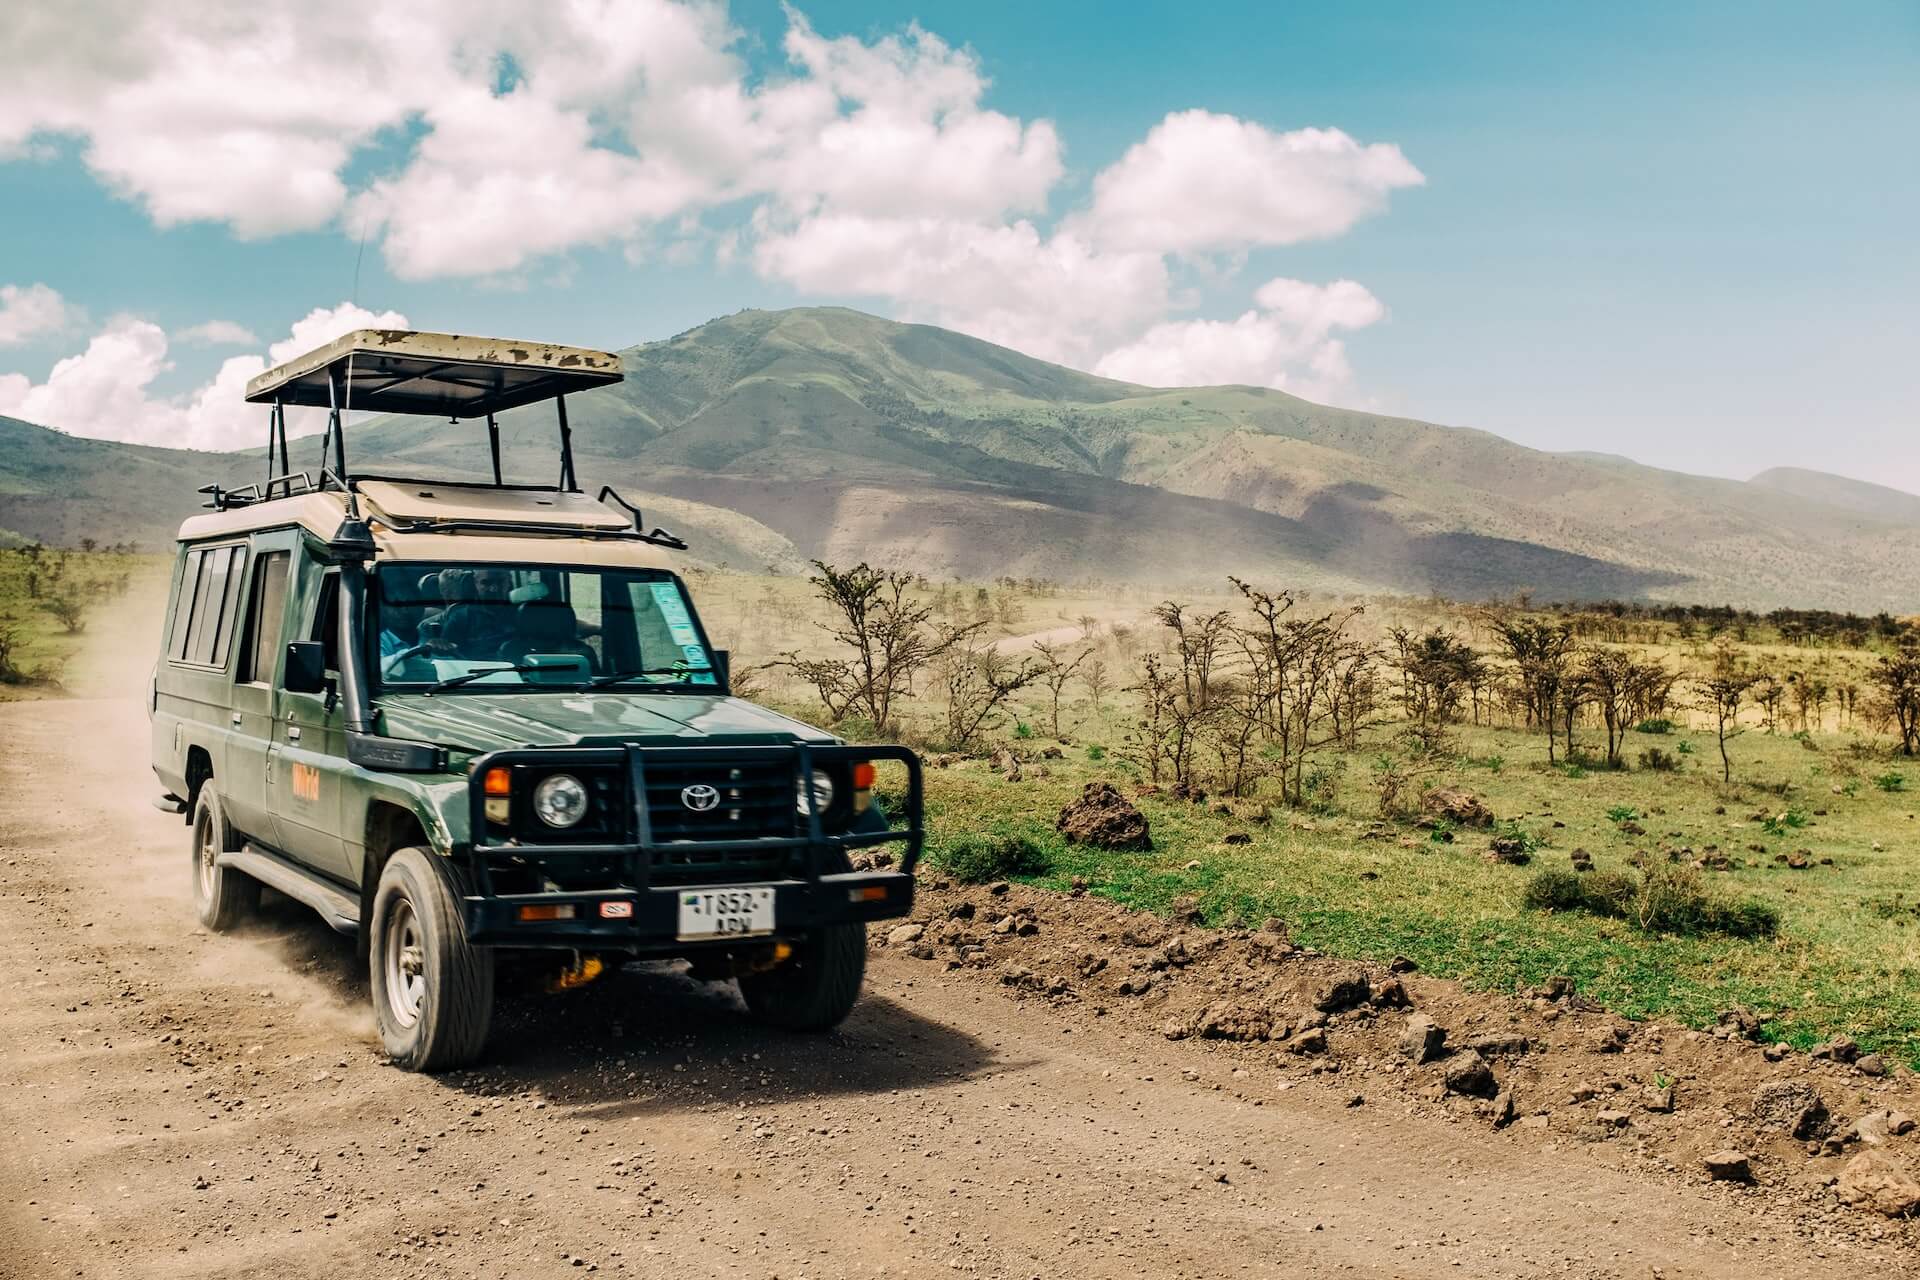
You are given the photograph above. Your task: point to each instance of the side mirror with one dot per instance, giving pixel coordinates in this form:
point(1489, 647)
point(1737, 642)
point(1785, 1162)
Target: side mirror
point(306, 667)
point(723, 669)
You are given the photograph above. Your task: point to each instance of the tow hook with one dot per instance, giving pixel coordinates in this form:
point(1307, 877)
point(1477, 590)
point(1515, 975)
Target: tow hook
point(584, 969)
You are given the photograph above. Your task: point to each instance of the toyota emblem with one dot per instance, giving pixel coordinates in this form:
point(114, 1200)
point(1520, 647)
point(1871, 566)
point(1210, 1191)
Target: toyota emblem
point(699, 797)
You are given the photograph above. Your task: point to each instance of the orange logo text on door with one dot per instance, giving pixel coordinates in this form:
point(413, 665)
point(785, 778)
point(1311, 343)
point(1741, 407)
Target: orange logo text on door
point(306, 783)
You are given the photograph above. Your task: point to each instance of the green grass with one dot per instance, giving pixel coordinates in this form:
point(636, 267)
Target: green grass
point(1844, 958)
point(42, 646)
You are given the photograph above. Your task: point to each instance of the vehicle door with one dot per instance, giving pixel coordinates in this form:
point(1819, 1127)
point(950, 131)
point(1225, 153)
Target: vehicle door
point(242, 774)
point(309, 734)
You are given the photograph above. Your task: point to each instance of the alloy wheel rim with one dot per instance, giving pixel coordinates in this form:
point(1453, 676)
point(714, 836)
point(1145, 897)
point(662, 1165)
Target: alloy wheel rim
point(405, 964)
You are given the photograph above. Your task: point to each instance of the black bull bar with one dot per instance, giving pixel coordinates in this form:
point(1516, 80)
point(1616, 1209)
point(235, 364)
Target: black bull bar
point(636, 914)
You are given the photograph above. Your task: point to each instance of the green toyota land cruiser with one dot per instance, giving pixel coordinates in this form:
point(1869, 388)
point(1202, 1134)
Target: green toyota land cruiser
point(455, 716)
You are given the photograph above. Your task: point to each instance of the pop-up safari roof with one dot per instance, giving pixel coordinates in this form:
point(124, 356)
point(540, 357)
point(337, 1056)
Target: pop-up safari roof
point(407, 371)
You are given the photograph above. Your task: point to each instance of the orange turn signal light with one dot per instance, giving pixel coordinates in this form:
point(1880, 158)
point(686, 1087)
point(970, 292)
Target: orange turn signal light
point(499, 782)
point(870, 893)
point(863, 776)
point(562, 911)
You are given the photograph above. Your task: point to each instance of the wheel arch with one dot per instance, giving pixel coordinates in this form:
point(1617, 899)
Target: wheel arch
point(390, 827)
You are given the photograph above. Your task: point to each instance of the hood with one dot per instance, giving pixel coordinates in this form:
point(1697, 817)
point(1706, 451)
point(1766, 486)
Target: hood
point(492, 721)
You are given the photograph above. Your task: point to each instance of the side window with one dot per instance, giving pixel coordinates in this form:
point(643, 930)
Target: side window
point(203, 615)
point(326, 619)
point(183, 606)
point(230, 609)
point(265, 606)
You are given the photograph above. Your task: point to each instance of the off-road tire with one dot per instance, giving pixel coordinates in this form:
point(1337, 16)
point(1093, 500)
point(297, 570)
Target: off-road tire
point(222, 896)
point(419, 961)
point(816, 987)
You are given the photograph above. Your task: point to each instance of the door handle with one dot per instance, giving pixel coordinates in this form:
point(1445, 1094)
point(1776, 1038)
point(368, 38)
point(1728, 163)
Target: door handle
point(293, 733)
point(236, 717)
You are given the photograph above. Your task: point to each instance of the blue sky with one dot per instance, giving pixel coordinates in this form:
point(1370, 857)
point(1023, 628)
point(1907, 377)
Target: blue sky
point(1681, 233)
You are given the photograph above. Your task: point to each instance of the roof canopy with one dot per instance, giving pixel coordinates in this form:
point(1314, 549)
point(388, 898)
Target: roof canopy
point(406, 371)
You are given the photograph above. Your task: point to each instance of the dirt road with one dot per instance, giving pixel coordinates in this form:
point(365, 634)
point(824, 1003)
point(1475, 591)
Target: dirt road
point(181, 1104)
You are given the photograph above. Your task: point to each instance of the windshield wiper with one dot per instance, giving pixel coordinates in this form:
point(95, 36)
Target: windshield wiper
point(615, 677)
point(454, 682)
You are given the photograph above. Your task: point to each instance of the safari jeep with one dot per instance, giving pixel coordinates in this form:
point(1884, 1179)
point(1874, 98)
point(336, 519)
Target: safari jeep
point(456, 717)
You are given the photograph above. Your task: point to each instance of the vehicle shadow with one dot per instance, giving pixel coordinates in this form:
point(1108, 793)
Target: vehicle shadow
point(645, 1038)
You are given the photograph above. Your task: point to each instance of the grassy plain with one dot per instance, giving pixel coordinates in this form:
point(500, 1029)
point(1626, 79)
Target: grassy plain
point(1847, 955)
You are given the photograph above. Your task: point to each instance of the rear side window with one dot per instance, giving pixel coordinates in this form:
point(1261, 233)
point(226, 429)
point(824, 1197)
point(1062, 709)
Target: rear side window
point(204, 613)
point(266, 605)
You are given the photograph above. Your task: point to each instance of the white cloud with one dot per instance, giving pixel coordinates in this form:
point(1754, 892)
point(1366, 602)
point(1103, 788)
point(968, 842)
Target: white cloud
point(507, 135)
point(1201, 182)
point(29, 311)
point(217, 333)
point(1286, 342)
point(106, 390)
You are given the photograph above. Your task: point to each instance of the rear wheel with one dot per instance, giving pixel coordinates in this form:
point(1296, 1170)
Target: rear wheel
point(815, 988)
point(432, 989)
point(222, 896)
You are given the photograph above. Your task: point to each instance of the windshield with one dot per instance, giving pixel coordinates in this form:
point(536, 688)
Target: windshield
point(493, 627)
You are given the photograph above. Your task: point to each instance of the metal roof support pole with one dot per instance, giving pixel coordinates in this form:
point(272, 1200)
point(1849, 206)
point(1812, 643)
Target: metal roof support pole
point(568, 484)
point(334, 433)
point(493, 442)
point(280, 433)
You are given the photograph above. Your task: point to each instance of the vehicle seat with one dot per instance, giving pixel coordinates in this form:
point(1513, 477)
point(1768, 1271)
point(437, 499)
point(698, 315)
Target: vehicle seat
point(546, 626)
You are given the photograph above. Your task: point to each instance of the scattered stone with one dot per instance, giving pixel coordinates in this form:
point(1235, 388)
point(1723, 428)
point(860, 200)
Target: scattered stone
point(960, 911)
point(1343, 990)
point(1839, 1049)
point(1137, 985)
point(1658, 1099)
point(1875, 1127)
point(1583, 1092)
point(1610, 1039)
point(1105, 819)
point(1237, 837)
point(1792, 1105)
point(1871, 1064)
point(1193, 865)
point(901, 935)
point(1469, 1073)
point(1503, 1109)
point(1390, 993)
point(1144, 934)
point(1876, 1182)
point(1400, 964)
point(1233, 1021)
point(998, 888)
point(1776, 1052)
point(1422, 1040)
point(1631, 828)
point(1729, 1166)
point(1740, 1021)
point(1614, 1119)
point(1496, 1043)
point(1312, 1040)
point(1458, 806)
point(1186, 910)
point(1582, 860)
point(1508, 851)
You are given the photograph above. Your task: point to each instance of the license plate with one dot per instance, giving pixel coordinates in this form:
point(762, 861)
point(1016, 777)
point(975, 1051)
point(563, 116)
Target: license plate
point(726, 913)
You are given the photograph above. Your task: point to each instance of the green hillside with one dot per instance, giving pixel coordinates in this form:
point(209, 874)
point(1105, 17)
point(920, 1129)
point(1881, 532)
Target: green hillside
point(777, 436)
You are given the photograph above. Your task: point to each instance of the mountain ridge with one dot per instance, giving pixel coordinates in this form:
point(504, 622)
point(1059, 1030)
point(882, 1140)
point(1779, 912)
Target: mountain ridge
point(784, 435)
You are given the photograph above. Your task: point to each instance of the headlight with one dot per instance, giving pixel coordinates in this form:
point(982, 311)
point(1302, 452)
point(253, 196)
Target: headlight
point(822, 793)
point(560, 800)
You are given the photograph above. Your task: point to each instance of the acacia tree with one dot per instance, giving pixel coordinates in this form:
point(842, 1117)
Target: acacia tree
point(889, 635)
point(1620, 686)
point(1055, 670)
point(1898, 678)
point(1722, 689)
point(978, 679)
point(1542, 654)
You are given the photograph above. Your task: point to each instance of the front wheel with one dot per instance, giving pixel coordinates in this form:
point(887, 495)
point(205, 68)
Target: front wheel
point(814, 989)
point(222, 896)
point(432, 989)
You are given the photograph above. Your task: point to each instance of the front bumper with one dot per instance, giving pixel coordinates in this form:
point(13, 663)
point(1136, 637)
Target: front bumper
point(628, 911)
point(647, 920)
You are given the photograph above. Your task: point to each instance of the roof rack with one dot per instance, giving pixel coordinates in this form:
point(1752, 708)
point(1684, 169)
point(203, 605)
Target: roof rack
point(411, 371)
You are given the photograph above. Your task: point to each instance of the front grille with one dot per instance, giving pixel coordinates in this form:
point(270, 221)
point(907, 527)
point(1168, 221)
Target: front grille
point(755, 801)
